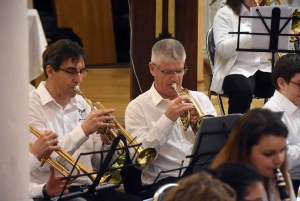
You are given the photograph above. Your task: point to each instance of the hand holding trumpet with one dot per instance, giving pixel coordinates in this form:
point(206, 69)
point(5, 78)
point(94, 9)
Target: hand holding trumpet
point(97, 119)
point(177, 107)
point(45, 144)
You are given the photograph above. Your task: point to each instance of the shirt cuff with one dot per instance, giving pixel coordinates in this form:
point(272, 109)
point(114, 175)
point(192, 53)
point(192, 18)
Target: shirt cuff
point(78, 136)
point(34, 163)
point(36, 190)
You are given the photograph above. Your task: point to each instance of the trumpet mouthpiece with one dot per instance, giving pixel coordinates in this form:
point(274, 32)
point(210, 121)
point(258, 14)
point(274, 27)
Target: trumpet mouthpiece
point(174, 85)
point(76, 88)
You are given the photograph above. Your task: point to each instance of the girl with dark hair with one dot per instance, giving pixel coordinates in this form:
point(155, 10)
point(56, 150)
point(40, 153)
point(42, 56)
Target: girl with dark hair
point(238, 75)
point(259, 139)
point(243, 178)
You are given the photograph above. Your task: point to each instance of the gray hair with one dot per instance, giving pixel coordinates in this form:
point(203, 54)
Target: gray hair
point(167, 50)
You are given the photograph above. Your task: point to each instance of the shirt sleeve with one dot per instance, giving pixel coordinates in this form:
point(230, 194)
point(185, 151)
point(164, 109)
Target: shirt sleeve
point(34, 163)
point(226, 43)
point(35, 190)
point(136, 125)
point(204, 103)
point(98, 159)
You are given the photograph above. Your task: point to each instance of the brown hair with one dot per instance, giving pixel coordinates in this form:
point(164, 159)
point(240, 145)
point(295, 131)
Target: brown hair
point(200, 186)
point(235, 5)
point(247, 132)
point(60, 51)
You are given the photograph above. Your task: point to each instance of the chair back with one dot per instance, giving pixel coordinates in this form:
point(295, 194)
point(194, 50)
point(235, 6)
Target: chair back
point(210, 46)
point(161, 193)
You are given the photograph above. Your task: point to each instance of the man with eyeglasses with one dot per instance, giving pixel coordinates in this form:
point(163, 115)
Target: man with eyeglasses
point(152, 118)
point(55, 106)
point(286, 79)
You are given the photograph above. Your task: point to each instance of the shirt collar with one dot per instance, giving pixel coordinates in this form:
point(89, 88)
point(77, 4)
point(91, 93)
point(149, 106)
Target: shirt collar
point(287, 105)
point(156, 97)
point(46, 96)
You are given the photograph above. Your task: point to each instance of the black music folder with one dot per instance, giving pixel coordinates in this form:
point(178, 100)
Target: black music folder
point(211, 137)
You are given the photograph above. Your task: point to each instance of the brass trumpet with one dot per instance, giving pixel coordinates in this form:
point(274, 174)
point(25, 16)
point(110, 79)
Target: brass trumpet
point(185, 118)
point(144, 156)
point(68, 158)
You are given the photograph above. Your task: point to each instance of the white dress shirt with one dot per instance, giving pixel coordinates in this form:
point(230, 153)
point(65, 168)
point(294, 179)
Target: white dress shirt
point(146, 122)
point(46, 114)
point(227, 59)
point(291, 118)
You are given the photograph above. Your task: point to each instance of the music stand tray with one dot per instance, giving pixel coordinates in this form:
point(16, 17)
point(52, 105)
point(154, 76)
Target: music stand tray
point(211, 137)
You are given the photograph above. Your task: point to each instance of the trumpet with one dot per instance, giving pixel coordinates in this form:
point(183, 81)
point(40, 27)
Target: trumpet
point(185, 118)
point(144, 156)
point(68, 158)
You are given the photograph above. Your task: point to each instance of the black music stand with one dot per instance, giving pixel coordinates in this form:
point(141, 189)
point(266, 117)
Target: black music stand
point(212, 136)
point(274, 32)
point(93, 190)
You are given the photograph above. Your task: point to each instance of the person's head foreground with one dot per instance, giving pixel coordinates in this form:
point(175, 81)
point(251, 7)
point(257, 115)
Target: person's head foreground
point(200, 186)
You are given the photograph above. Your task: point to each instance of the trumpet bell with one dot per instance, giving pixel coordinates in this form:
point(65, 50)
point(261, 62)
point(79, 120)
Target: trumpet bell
point(196, 126)
point(266, 2)
point(296, 26)
point(145, 157)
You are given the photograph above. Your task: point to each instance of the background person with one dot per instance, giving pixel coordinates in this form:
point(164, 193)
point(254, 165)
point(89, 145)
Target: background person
point(55, 106)
point(239, 75)
point(259, 139)
point(152, 118)
point(286, 79)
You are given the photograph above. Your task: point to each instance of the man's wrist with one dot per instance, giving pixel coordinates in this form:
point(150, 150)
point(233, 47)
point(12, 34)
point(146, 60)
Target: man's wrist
point(45, 194)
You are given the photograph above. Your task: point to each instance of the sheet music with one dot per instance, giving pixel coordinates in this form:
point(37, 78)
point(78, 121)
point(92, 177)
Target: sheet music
point(257, 26)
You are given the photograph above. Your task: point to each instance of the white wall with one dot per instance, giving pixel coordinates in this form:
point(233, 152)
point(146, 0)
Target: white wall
point(14, 100)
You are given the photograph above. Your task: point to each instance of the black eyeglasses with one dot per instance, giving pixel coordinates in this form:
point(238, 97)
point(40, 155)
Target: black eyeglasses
point(169, 73)
point(73, 71)
point(298, 84)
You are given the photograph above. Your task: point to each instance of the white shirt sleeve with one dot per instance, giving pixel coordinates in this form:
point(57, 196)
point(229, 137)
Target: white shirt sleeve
point(34, 163)
point(34, 190)
point(226, 43)
point(136, 125)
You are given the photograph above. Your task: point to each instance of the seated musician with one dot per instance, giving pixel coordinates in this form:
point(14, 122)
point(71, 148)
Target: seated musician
point(259, 139)
point(286, 79)
point(152, 118)
point(55, 106)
